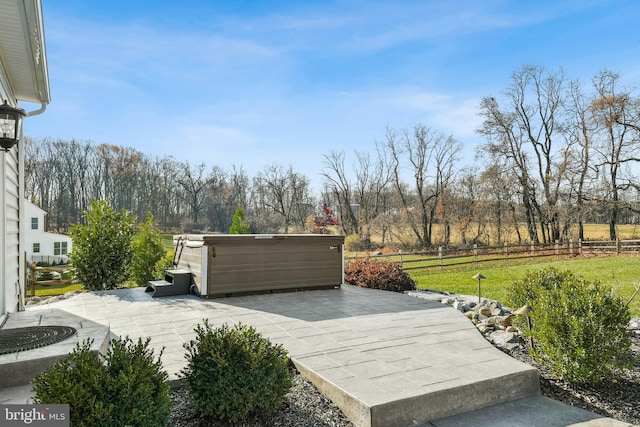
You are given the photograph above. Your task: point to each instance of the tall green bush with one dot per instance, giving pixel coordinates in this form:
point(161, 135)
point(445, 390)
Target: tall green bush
point(147, 251)
point(102, 248)
point(578, 327)
point(128, 388)
point(232, 372)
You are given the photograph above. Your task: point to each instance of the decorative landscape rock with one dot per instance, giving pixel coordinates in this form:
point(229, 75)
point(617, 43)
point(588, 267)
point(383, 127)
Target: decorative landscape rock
point(500, 320)
point(484, 328)
point(492, 319)
point(485, 311)
point(461, 306)
point(504, 339)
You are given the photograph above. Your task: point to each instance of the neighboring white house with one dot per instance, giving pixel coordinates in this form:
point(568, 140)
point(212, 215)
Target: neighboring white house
point(39, 244)
point(23, 77)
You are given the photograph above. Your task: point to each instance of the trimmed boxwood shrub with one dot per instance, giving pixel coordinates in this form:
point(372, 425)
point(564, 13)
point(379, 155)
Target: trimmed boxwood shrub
point(578, 326)
point(371, 273)
point(233, 372)
point(128, 388)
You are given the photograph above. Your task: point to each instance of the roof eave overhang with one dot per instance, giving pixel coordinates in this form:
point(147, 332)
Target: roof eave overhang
point(22, 50)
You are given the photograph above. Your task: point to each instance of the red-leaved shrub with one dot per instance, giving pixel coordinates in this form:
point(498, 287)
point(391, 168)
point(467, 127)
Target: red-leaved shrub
point(371, 273)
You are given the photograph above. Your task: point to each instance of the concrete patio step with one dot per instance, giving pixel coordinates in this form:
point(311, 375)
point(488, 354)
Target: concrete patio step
point(529, 412)
point(440, 366)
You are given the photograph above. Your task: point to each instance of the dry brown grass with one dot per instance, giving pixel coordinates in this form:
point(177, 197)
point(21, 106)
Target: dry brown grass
point(403, 236)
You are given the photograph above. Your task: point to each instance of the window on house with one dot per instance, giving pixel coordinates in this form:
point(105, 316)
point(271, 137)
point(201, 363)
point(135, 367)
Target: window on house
point(60, 248)
point(36, 248)
point(34, 223)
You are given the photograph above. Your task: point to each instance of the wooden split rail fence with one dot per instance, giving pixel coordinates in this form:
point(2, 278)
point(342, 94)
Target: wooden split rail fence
point(31, 279)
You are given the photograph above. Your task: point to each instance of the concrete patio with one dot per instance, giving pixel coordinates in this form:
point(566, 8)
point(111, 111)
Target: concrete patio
point(385, 359)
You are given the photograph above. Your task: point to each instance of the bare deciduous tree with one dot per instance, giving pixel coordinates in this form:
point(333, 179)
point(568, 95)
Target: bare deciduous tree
point(341, 187)
point(429, 158)
point(193, 182)
point(527, 135)
point(617, 113)
point(285, 193)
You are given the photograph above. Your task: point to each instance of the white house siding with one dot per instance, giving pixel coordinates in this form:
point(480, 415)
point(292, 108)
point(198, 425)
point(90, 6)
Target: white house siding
point(8, 274)
point(12, 230)
point(10, 172)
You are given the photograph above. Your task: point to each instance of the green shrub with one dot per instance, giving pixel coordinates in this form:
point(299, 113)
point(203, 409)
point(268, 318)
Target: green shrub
point(578, 327)
point(165, 263)
point(385, 275)
point(78, 380)
point(232, 372)
point(138, 385)
point(128, 388)
point(527, 290)
point(102, 248)
point(147, 252)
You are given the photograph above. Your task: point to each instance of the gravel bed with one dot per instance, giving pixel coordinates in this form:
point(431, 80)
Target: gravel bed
point(305, 407)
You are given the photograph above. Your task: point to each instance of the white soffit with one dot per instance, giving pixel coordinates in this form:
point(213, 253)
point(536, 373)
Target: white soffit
point(22, 49)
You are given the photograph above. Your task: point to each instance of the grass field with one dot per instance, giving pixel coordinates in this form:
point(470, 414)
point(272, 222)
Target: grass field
point(622, 273)
point(47, 290)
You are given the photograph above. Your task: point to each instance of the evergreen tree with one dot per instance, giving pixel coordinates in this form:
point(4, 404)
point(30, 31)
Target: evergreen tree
point(147, 252)
point(239, 225)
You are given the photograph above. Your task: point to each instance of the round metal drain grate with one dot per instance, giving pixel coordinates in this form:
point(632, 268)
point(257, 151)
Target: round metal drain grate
point(22, 339)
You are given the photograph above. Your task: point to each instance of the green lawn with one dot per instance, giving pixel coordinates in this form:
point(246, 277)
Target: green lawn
point(622, 273)
point(48, 290)
point(167, 242)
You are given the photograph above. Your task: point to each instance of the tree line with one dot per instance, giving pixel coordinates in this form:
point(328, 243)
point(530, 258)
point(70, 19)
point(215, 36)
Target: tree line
point(556, 153)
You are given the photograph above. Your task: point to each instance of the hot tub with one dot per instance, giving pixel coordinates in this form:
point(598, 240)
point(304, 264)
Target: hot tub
point(233, 264)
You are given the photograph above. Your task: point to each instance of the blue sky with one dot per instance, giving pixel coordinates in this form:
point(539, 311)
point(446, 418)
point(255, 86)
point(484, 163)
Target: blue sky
point(258, 82)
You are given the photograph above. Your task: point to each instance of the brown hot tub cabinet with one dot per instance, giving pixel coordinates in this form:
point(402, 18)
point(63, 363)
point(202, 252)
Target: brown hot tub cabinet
point(229, 264)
